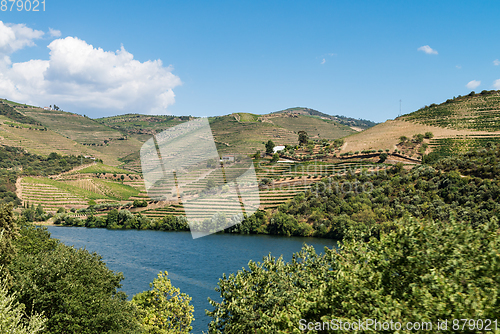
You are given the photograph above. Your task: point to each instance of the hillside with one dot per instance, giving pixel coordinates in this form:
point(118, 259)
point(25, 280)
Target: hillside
point(356, 124)
point(476, 112)
point(247, 133)
point(458, 125)
point(235, 133)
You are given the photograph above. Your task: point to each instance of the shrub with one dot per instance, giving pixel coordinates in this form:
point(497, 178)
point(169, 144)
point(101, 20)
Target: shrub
point(428, 135)
point(140, 203)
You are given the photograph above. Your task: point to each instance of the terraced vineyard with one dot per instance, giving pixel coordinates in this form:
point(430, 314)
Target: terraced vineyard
point(286, 181)
point(49, 196)
point(42, 142)
point(72, 192)
point(479, 112)
point(461, 144)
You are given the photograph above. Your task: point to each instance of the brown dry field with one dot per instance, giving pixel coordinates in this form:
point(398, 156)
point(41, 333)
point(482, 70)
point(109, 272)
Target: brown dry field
point(386, 135)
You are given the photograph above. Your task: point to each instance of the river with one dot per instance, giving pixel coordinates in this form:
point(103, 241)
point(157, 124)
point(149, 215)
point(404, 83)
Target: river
point(193, 265)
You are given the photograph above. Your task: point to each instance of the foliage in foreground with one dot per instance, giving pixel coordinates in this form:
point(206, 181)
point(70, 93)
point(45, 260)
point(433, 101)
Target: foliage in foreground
point(164, 309)
point(74, 290)
point(12, 313)
point(421, 271)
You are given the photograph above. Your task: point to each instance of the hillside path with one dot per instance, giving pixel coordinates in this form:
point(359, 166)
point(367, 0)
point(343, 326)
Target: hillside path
point(19, 189)
point(74, 170)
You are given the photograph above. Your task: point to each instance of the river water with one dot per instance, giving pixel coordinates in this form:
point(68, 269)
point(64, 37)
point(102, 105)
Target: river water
point(193, 265)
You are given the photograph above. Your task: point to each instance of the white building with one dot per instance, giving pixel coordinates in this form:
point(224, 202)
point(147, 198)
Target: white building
point(278, 148)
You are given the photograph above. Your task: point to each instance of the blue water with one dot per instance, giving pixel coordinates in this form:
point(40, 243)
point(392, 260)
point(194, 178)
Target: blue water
point(193, 265)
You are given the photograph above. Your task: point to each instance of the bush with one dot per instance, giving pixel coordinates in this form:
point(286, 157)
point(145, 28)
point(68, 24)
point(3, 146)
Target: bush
point(140, 203)
point(74, 289)
point(419, 271)
point(164, 309)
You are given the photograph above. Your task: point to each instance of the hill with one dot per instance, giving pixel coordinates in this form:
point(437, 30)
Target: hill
point(457, 125)
point(476, 112)
point(356, 124)
point(235, 133)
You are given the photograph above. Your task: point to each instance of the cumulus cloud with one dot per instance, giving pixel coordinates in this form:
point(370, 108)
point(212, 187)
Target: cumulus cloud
point(427, 49)
point(82, 78)
point(54, 32)
point(14, 37)
point(496, 62)
point(473, 84)
point(496, 84)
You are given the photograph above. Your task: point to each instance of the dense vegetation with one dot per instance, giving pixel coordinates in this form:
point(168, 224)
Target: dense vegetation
point(422, 271)
point(454, 188)
point(68, 290)
point(421, 247)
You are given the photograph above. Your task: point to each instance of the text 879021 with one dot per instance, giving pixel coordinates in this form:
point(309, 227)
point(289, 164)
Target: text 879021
point(22, 5)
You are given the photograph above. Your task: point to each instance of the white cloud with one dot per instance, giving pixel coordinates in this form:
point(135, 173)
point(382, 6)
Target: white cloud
point(79, 77)
point(473, 84)
point(427, 49)
point(458, 67)
point(14, 37)
point(496, 62)
point(323, 61)
point(496, 84)
point(54, 32)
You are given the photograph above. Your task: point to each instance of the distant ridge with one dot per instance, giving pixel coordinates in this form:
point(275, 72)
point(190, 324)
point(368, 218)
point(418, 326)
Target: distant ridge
point(117, 139)
point(348, 121)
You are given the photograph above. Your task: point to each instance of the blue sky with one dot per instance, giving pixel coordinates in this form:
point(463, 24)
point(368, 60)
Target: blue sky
point(353, 58)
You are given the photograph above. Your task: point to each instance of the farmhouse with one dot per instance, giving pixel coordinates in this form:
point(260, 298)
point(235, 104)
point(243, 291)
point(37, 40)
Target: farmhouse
point(278, 148)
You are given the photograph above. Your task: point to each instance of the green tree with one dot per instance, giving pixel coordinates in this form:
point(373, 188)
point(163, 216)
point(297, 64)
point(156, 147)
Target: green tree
point(420, 271)
point(112, 217)
point(164, 309)
point(39, 210)
point(270, 297)
point(12, 314)
point(275, 158)
point(428, 135)
point(418, 138)
point(256, 156)
point(8, 233)
point(211, 184)
point(74, 289)
point(270, 147)
point(382, 157)
point(140, 203)
point(303, 138)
